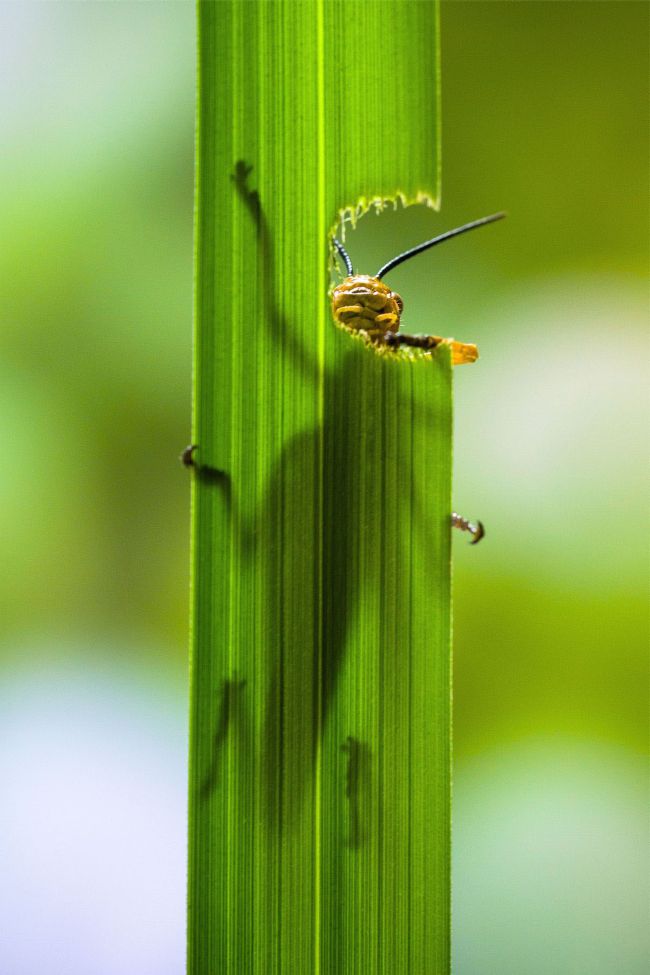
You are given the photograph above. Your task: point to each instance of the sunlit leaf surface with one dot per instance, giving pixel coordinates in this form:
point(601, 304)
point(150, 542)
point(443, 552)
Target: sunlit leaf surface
point(319, 784)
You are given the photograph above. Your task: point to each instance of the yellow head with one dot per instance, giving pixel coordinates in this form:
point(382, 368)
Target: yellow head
point(363, 303)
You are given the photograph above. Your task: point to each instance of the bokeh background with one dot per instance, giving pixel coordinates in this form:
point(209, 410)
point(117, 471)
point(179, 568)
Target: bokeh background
point(545, 114)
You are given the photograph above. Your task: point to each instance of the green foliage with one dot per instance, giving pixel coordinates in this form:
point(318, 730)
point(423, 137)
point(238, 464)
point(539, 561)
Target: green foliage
point(319, 783)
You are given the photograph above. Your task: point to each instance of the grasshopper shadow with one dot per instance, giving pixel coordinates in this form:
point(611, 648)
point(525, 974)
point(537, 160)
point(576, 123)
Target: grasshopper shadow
point(310, 579)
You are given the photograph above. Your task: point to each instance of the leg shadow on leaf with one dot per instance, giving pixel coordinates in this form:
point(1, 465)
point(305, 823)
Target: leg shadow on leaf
point(357, 790)
point(232, 725)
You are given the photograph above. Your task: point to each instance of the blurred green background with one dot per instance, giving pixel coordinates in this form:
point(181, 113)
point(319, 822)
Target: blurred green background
point(545, 114)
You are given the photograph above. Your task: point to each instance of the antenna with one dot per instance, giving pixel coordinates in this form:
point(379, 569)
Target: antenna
point(428, 243)
point(344, 254)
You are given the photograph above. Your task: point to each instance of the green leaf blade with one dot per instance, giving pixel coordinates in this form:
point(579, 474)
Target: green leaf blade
point(319, 776)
